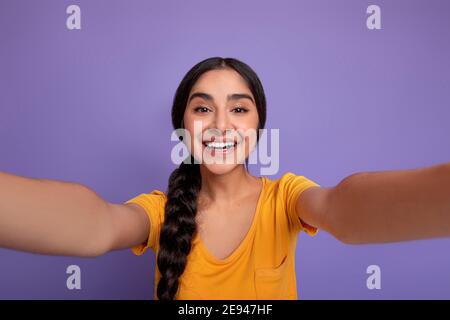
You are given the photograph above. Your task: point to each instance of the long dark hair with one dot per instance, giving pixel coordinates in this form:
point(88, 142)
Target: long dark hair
point(179, 225)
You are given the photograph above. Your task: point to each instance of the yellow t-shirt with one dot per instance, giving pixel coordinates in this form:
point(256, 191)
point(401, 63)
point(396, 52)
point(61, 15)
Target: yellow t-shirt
point(261, 267)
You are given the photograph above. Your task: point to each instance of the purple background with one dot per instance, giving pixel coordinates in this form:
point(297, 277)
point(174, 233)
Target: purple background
point(93, 106)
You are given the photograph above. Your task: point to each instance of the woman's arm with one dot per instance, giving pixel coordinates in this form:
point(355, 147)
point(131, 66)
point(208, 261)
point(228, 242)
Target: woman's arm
point(64, 218)
point(383, 206)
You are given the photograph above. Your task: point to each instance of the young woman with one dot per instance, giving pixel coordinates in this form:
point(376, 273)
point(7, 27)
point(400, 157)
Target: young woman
point(218, 231)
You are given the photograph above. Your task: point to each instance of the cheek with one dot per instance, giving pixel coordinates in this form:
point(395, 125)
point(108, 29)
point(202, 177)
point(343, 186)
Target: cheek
point(251, 121)
point(193, 142)
point(191, 121)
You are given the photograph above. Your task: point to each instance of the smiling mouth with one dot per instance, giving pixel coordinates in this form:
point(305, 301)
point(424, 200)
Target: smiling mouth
point(213, 145)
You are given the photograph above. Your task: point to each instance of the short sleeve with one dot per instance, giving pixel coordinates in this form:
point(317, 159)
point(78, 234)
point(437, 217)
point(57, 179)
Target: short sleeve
point(293, 185)
point(153, 203)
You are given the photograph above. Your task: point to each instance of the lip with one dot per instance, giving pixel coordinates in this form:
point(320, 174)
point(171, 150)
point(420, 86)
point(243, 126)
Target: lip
point(214, 152)
point(222, 139)
point(213, 139)
point(235, 142)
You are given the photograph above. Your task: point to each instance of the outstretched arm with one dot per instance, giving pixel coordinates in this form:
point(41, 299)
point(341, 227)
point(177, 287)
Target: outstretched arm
point(64, 218)
point(382, 206)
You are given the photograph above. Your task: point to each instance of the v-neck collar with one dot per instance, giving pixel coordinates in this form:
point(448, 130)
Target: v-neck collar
point(237, 252)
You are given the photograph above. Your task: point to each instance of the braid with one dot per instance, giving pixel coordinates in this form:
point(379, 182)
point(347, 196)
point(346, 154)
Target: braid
point(179, 227)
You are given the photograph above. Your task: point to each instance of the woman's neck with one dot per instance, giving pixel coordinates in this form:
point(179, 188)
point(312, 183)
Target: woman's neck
point(227, 187)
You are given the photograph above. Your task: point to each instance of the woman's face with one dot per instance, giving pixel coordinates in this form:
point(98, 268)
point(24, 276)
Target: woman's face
point(222, 120)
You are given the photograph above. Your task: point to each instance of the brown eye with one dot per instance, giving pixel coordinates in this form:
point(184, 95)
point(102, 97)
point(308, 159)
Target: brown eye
point(240, 110)
point(201, 109)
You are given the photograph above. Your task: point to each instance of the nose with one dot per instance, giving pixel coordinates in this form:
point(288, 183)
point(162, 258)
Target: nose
point(222, 120)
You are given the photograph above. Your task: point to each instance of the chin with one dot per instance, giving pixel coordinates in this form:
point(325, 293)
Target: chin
point(220, 169)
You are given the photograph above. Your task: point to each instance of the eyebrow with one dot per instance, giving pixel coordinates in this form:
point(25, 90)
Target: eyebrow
point(230, 97)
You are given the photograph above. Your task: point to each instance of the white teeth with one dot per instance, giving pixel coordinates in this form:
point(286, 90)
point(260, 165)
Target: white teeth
point(219, 145)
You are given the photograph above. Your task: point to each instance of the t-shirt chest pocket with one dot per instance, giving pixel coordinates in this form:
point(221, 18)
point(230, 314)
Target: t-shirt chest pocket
point(272, 283)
